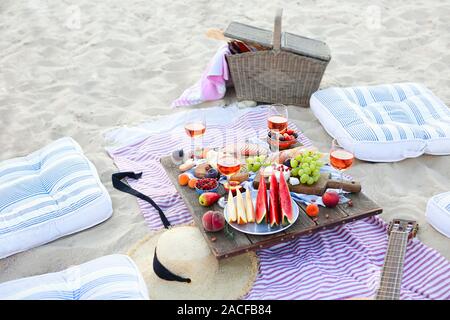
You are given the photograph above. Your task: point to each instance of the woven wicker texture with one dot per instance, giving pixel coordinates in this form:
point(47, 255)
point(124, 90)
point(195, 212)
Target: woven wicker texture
point(287, 74)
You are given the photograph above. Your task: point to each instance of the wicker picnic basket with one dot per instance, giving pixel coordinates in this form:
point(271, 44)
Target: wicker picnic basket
point(288, 72)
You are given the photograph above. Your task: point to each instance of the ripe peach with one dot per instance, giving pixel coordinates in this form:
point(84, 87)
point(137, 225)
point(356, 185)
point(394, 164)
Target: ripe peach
point(213, 221)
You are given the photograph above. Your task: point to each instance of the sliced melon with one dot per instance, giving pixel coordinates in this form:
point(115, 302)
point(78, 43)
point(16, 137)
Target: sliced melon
point(249, 209)
point(231, 208)
point(240, 208)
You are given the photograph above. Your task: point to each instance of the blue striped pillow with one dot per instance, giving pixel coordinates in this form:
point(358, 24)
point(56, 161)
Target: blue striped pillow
point(385, 122)
point(438, 213)
point(48, 194)
point(113, 277)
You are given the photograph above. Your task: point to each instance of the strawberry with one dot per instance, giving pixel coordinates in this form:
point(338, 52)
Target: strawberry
point(288, 137)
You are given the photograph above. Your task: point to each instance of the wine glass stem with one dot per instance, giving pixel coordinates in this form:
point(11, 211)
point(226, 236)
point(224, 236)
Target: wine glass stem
point(341, 190)
point(275, 145)
point(225, 198)
point(193, 148)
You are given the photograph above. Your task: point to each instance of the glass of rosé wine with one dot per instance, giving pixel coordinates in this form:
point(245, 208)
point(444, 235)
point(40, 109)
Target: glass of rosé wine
point(228, 163)
point(341, 159)
point(195, 127)
point(277, 123)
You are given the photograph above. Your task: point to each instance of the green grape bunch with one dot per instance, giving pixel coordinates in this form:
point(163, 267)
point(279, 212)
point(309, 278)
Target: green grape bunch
point(306, 166)
point(255, 163)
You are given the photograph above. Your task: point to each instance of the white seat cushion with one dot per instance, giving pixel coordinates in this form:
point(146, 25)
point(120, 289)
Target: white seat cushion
point(385, 123)
point(113, 277)
point(438, 213)
point(48, 194)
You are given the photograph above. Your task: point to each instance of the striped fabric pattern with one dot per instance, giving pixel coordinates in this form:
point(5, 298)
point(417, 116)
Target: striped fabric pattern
point(333, 264)
point(385, 123)
point(438, 213)
point(345, 262)
point(44, 188)
point(443, 201)
point(144, 157)
point(394, 112)
point(113, 277)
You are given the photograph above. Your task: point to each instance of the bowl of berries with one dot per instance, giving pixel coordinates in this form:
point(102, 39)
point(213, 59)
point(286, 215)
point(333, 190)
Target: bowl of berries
point(206, 185)
point(286, 139)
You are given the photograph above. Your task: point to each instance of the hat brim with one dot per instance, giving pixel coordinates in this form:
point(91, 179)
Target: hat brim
point(233, 279)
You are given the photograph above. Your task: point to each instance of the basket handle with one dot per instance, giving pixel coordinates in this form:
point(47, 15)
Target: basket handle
point(277, 31)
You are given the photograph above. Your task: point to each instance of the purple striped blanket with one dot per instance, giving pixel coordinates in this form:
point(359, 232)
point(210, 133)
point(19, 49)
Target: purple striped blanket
point(339, 263)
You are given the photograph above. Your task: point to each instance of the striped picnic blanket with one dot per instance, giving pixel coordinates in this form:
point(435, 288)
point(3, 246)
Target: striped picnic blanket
point(334, 264)
point(345, 262)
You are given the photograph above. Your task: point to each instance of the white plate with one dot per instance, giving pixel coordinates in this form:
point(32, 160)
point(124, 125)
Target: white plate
point(261, 229)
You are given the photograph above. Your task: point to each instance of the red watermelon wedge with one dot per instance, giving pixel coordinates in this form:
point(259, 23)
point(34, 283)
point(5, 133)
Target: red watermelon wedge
point(285, 201)
point(274, 201)
point(261, 202)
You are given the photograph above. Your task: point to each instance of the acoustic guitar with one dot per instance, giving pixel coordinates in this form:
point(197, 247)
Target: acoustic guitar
point(400, 231)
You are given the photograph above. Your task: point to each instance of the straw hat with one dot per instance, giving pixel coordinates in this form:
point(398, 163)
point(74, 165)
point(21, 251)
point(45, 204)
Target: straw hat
point(183, 252)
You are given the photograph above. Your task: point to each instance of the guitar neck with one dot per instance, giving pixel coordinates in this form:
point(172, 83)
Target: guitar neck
point(391, 277)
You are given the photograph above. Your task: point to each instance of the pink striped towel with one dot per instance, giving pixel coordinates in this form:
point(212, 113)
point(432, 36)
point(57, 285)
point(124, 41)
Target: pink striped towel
point(338, 263)
point(211, 85)
point(345, 262)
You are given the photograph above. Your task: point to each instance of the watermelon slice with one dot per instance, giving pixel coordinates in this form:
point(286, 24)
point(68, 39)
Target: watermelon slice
point(261, 202)
point(274, 201)
point(285, 201)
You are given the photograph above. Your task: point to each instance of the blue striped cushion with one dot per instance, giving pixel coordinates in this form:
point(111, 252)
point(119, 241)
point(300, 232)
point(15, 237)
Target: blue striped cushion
point(113, 277)
point(48, 194)
point(385, 122)
point(438, 213)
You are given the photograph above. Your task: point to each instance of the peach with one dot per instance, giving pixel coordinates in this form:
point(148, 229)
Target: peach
point(213, 221)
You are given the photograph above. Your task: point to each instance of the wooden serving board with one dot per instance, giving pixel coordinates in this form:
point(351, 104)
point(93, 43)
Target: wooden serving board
point(224, 247)
point(317, 188)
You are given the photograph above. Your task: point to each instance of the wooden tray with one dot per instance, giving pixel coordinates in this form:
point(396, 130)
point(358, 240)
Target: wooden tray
point(225, 247)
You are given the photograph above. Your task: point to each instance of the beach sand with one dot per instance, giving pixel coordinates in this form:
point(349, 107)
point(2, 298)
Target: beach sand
point(79, 68)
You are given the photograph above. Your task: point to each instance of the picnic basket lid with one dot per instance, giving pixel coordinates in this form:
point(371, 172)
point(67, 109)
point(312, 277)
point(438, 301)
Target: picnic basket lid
point(289, 42)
